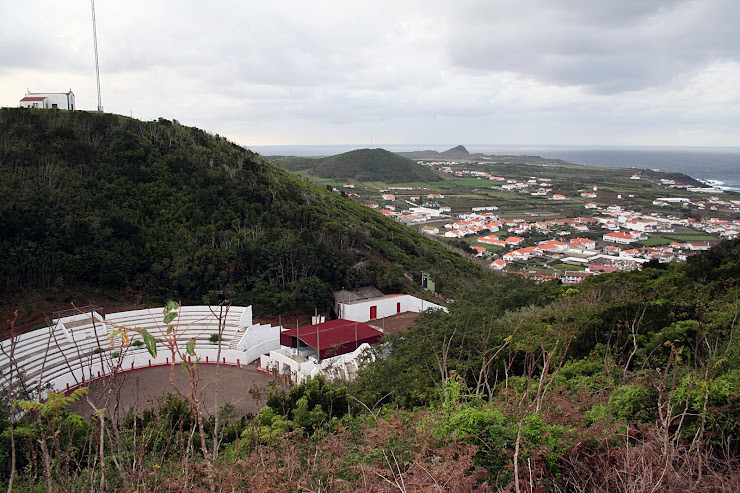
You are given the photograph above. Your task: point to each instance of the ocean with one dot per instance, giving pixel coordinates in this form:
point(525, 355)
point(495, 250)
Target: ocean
point(717, 166)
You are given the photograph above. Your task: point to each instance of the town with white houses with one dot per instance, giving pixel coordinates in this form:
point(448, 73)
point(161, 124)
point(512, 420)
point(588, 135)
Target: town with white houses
point(546, 246)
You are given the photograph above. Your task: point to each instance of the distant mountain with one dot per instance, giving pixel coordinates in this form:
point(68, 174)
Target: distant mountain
point(457, 152)
point(363, 165)
point(461, 153)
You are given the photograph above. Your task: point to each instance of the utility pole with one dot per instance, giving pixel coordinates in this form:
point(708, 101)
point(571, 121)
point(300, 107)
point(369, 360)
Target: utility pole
point(97, 66)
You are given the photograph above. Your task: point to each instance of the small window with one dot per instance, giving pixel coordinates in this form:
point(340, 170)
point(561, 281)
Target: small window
point(35, 105)
point(53, 105)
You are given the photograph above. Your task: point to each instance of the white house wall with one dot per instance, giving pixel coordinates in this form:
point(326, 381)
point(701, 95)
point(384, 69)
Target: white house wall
point(386, 306)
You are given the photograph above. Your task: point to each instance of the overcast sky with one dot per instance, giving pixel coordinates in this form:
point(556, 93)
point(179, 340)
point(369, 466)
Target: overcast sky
point(518, 72)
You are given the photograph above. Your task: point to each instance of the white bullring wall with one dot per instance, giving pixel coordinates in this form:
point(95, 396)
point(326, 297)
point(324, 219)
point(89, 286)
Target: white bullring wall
point(139, 359)
point(246, 319)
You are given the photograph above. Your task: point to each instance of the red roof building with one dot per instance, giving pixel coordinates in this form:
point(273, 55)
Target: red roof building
point(49, 100)
point(619, 237)
point(331, 338)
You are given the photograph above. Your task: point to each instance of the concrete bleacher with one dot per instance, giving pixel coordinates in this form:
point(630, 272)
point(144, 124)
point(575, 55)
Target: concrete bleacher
point(199, 322)
point(78, 348)
point(67, 345)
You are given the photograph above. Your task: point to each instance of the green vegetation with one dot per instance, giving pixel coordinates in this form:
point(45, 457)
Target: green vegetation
point(518, 385)
point(174, 212)
point(364, 165)
point(626, 382)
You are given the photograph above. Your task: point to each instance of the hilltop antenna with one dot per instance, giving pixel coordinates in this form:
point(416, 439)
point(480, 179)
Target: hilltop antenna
point(97, 66)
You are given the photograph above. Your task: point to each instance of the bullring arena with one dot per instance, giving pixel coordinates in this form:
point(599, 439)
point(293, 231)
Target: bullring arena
point(83, 348)
point(114, 355)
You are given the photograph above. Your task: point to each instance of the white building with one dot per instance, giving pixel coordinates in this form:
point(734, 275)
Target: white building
point(698, 245)
point(46, 100)
point(363, 310)
point(424, 211)
point(575, 277)
point(674, 200)
point(499, 264)
point(290, 361)
point(642, 225)
point(619, 238)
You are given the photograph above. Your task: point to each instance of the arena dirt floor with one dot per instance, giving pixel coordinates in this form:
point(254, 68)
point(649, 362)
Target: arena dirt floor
point(144, 389)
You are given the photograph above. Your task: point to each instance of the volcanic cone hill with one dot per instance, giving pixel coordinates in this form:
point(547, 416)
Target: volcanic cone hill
point(364, 165)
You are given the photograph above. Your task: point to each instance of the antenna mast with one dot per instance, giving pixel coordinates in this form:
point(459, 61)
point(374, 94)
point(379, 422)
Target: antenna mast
point(97, 67)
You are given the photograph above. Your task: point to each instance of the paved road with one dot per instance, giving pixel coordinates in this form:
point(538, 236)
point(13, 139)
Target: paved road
point(143, 389)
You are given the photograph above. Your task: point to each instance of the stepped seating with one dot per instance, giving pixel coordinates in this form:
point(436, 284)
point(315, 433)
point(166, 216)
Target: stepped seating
point(71, 355)
point(79, 345)
point(234, 344)
point(67, 345)
point(198, 322)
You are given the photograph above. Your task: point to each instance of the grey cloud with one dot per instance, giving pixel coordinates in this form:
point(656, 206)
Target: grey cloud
point(27, 49)
point(507, 71)
point(608, 47)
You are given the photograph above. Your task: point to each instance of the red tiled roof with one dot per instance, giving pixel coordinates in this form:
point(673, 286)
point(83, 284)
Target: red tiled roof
point(619, 234)
point(34, 98)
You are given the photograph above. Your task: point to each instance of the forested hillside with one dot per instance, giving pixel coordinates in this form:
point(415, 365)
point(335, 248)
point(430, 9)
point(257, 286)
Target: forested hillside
point(174, 212)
